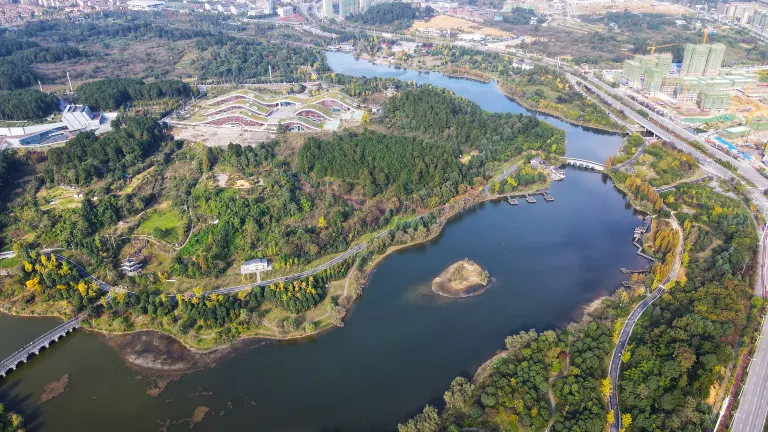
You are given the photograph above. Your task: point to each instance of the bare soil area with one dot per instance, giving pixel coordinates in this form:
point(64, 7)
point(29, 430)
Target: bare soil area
point(56, 388)
point(444, 22)
point(462, 279)
point(221, 136)
point(153, 352)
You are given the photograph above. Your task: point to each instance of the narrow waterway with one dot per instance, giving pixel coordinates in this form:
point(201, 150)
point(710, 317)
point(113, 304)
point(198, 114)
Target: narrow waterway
point(400, 348)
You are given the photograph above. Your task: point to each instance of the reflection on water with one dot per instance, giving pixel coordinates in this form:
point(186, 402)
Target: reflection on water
point(402, 345)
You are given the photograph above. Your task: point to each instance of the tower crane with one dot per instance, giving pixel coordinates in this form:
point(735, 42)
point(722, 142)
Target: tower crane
point(652, 49)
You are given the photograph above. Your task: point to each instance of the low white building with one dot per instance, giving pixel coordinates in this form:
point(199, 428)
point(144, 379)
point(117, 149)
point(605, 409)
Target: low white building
point(285, 11)
point(145, 5)
point(255, 266)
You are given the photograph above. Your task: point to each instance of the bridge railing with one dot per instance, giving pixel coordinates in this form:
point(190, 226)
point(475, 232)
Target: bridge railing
point(41, 340)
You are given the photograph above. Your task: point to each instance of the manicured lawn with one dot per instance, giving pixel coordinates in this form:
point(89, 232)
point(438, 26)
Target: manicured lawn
point(9, 263)
point(166, 220)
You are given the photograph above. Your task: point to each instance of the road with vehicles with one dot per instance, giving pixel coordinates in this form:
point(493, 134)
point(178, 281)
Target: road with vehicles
point(753, 402)
point(743, 167)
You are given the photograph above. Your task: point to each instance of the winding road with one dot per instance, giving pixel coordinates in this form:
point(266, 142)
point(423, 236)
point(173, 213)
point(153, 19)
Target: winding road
point(626, 331)
point(233, 289)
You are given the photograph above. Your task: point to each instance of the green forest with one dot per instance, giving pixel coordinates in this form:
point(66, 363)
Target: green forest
point(682, 344)
point(113, 93)
point(88, 157)
point(427, 166)
point(398, 14)
point(27, 105)
point(239, 60)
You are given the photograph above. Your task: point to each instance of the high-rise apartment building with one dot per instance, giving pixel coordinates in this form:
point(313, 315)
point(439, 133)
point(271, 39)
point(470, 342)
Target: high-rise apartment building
point(702, 59)
point(352, 7)
point(327, 8)
point(346, 8)
point(647, 71)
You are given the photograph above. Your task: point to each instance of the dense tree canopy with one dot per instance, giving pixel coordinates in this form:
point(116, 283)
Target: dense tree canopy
point(88, 157)
point(684, 342)
point(459, 123)
point(10, 421)
point(112, 93)
point(397, 12)
point(27, 105)
point(381, 162)
point(15, 76)
point(237, 60)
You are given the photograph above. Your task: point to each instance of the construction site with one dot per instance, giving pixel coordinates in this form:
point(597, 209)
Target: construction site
point(727, 105)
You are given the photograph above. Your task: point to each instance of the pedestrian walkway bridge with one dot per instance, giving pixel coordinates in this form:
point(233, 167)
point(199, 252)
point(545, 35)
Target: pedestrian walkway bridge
point(586, 164)
point(21, 356)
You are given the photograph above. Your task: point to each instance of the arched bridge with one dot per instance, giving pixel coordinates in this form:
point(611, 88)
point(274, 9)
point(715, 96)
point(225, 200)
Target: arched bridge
point(21, 356)
point(586, 164)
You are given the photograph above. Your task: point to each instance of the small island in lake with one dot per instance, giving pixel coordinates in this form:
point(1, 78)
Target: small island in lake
point(462, 279)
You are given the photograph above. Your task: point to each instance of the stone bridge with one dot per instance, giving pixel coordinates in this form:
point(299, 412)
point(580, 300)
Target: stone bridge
point(586, 164)
point(21, 356)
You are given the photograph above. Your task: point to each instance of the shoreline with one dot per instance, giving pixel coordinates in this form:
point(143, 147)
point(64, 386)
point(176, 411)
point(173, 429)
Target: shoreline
point(445, 71)
point(474, 200)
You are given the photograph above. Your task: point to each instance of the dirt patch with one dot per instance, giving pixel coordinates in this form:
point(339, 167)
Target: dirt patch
point(222, 136)
point(221, 179)
point(444, 22)
point(462, 279)
point(157, 354)
point(196, 418)
point(643, 6)
point(55, 388)
point(158, 384)
point(199, 414)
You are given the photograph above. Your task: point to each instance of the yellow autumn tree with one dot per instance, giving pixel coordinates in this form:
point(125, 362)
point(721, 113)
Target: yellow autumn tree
point(34, 284)
point(83, 288)
point(626, 420)
point(605, 387)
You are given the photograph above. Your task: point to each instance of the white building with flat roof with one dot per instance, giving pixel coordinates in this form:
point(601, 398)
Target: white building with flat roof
point(285, 11)
point(255, 266)
point(145, 5)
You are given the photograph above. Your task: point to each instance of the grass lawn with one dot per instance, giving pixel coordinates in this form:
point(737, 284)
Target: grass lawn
point(62, 198)
point(165, 219)
point(9, 262)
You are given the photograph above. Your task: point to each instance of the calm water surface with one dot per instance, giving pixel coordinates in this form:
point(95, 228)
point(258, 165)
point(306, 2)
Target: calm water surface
point(402, 345)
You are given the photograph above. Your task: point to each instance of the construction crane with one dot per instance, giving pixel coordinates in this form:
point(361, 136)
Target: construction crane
point(653, 48)
point(707, 32)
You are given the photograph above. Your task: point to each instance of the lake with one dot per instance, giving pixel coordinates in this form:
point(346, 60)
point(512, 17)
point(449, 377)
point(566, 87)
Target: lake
point(401, 346)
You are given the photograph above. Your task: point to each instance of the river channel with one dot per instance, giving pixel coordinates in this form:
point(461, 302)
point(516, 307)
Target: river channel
point(402, 345)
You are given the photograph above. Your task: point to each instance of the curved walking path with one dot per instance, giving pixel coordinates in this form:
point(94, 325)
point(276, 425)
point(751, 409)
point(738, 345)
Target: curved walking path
point(502, 176)
point(634, 157)
point(626, 331)
point(233, 289)
point(549, 388)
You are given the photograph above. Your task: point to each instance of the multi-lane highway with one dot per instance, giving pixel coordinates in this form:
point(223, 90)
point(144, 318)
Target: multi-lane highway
point(753, 402)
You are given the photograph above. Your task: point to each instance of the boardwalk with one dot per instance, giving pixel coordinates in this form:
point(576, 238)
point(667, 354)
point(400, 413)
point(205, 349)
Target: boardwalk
point(21, 356)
